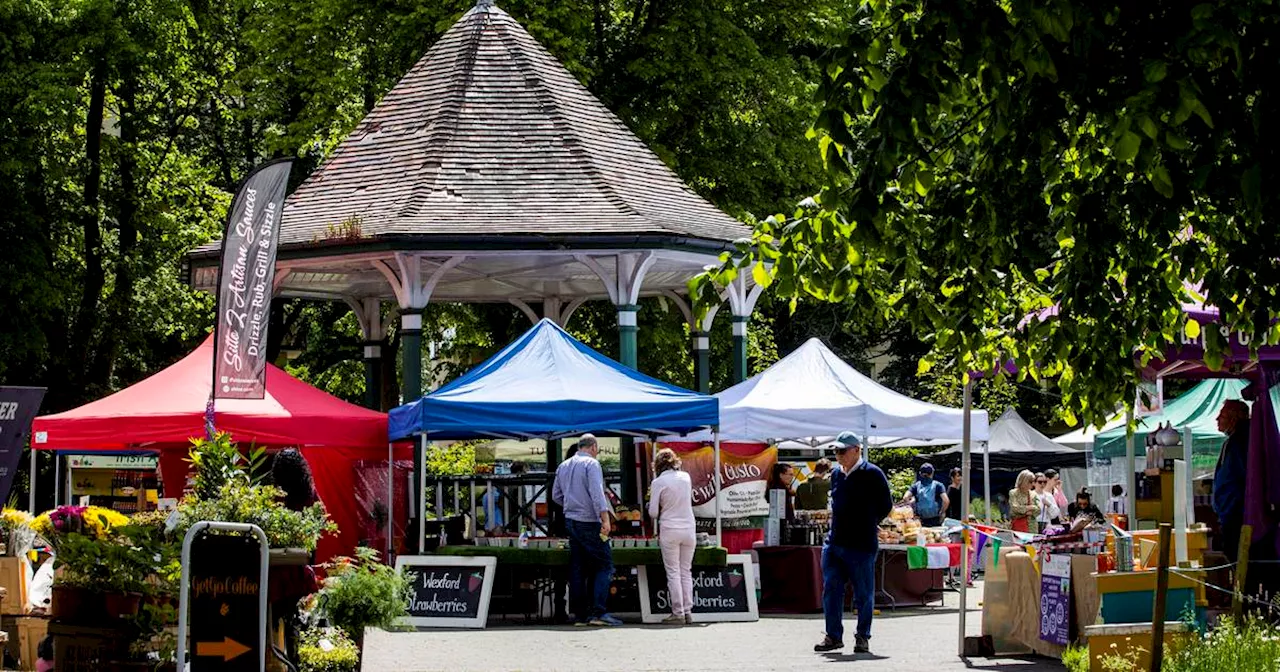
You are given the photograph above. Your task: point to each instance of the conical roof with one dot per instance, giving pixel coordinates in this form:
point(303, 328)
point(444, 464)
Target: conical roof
point(489, 134)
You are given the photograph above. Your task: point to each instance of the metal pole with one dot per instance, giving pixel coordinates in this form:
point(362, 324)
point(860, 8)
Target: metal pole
point(422, 494)
point(184, 591)
point(391, 489)
point(1130, 479)
point(964, 511)
point(716, 436)
point(1162, 594)
point(471, 490)
point(986, 479)
point(31, 503)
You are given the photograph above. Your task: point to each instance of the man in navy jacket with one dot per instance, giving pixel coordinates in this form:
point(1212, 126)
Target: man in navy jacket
point(860, 499)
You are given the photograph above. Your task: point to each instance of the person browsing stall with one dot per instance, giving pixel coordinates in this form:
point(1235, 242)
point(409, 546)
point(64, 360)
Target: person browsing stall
point(927, 497)
point(1084, 506)
point(579, 489)
point(1049, 511)
point(671, 506)
point(783, 478)
point(860, 499)
point(955, 495)
point(815, 493)
point(1024, 503)
point(1229, 474)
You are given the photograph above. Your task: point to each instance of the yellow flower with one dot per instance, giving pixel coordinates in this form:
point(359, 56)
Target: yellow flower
point(100, 520)
point(12, 519)
point(42, 525)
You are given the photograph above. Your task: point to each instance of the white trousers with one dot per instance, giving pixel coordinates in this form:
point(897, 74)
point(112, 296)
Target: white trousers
point(677, 558)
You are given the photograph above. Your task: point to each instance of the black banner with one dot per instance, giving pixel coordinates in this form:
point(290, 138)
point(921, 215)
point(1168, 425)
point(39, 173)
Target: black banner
point(246, 278)
point(226, 624)
point(18, 407)
point(716, 590)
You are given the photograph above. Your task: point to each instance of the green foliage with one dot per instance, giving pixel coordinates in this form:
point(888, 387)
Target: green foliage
point(362, 592)
point(978, 509)
point(456, 459)
point(342, 654)
point(1076, 659)
point(132, 559)
point(981, 168)
point(214, 464)
point(1251, 646)
point(239, 502)
point(900, 481)
point(894, 459)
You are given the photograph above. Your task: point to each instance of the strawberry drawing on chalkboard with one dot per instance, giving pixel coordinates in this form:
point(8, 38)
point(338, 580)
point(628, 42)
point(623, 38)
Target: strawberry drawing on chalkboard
point(735, 578)
point(475, 581)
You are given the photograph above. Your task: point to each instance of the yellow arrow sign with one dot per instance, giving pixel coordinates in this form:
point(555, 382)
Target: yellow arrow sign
point(227, 649)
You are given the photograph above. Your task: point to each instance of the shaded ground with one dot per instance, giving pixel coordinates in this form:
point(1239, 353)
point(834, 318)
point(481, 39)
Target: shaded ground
point(916, 639)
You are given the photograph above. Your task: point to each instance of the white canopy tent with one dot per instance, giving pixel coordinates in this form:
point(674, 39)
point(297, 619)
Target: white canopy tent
point(812, 395)
point(1082, 439)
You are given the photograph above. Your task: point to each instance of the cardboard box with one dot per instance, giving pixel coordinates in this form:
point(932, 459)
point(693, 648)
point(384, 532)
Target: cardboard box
point(13, 578)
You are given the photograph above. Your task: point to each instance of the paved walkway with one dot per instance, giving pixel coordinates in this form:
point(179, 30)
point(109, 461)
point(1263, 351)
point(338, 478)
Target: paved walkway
point(911, 639)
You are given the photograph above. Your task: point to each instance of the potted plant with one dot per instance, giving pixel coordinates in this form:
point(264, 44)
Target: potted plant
point(361, 592)
point(297, 532)
point(327, 650)
point(14, 525)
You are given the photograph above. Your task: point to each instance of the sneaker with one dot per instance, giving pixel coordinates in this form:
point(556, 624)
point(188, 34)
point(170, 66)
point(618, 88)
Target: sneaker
point(861, 644)
point(605, 620)
point(828, 644)
point(673, 620)
point(688, 619)
point(580, 624)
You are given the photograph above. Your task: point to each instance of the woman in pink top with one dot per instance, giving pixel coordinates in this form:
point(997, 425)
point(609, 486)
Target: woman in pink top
point(671, 506)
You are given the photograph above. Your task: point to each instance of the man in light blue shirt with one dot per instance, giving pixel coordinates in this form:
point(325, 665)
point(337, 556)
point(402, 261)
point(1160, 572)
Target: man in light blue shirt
point(579, 489)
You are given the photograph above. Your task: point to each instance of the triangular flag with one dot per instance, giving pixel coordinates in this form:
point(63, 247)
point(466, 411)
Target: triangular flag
point(977, 552)
point(995, 551)
point(1031, 551)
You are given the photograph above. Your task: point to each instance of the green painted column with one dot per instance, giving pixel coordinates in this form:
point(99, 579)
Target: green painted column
point(702, 361)
point(411, 390)
point(373, 375)
point(628, 354)
point(740, 348)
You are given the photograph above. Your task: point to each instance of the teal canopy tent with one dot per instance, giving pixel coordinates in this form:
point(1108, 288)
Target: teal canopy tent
point(1196, 409)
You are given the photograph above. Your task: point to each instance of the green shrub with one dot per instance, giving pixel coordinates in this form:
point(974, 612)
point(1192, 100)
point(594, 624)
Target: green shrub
point(341, 655)
point(362, 592)
point(900, 481)
point(1076, 659)
point(216, 462)
point(455, 459)
point(1251, 646)
point(239, 502)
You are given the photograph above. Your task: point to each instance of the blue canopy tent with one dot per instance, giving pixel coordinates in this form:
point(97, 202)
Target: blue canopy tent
point(548, 385)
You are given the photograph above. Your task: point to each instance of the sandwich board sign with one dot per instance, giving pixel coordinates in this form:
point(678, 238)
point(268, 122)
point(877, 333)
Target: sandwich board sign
point(720, 594)
point(223, 599)
point(447, 591)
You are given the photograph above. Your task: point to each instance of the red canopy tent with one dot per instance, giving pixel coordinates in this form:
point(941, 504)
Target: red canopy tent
point(163, 412)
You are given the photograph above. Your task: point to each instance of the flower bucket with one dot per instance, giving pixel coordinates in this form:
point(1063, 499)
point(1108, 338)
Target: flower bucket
point(122, 605)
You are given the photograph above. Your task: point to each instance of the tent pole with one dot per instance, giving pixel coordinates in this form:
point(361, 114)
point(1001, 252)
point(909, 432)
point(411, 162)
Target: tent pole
point(986, 479)
point(31, 504)
point(964, 511)
point(719, 537)
point(1130, 480)
point(391, 489)
point(422, 495)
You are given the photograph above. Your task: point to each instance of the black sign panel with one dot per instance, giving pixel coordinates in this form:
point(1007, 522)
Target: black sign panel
point(447, 591)
point(721, 593)
point(226, 622)
point(18, 407)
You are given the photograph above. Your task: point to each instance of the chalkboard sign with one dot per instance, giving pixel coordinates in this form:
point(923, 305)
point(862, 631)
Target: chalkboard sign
point(448, 592)
point(725, 593)
point(225, 598)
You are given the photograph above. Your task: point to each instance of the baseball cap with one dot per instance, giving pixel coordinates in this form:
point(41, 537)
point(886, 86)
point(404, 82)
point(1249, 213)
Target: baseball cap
point(846, 440)
point(926, 468)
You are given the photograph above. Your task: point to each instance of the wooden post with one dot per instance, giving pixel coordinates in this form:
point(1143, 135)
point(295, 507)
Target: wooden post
point(1162, 590)
point(1242, 571)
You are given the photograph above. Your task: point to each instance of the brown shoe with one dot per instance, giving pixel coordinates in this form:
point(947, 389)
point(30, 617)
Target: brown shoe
point(827, 644)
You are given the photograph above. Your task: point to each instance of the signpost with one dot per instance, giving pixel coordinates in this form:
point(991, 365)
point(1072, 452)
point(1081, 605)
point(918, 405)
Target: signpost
point(448, 592)
point(720, 594)
point(223, 598)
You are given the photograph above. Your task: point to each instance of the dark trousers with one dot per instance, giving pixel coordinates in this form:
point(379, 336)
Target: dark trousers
point(590, 570)
point(842, 566)
point(1231, 538)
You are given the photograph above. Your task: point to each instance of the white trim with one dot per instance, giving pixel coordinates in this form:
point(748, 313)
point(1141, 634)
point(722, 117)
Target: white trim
point(567, 312)
point(411, 321)
point(739, 328)
point(748, 578)
point(393, 279)
point(683, 305)
point(490, 565)
point(610, 287)
point(710, 317)
point(701, 343)
point(629, 283)
point(626, 318)
point(525, 308)
point(372, 351)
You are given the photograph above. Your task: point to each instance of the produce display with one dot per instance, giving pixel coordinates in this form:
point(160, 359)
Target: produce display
point(902, 527)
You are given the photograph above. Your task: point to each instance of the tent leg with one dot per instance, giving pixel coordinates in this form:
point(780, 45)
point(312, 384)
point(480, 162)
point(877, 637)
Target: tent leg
point(1130, 480)
point(986, 479)
point(719, 537)
point(471, 491)
point(31, 504)
point(422, 494)
point(964, 511)
point(391, 489)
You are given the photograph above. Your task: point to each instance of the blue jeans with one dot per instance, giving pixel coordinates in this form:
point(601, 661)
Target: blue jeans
point(590, 570)
point(842, 565)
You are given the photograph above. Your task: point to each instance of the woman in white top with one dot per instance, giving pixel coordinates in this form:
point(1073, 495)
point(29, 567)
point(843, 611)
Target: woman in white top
point(671, 506)
point(1049, 510)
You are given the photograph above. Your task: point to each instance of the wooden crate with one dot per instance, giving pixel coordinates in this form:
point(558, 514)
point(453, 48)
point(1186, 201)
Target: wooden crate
point(31, 631)
point(1130, 639)
point(13, 578)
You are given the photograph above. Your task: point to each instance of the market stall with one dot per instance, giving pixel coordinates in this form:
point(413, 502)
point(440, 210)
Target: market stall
point(124, 483)
point(809, 396)
point(548, 385)
point(159, 416)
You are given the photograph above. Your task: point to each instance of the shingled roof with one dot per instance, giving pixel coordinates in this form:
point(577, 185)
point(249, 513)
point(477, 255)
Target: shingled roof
point(488, 135)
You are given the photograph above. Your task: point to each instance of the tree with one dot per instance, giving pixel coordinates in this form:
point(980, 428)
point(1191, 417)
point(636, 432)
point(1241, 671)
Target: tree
point(988, 162)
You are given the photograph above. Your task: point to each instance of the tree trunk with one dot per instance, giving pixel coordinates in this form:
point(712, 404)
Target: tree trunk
point(122, 298)
point(87, 319)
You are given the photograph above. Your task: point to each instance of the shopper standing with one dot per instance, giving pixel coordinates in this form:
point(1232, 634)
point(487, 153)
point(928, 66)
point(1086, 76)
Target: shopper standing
point(860, 499)
point(955, 495)
point(579, 489)
point(1229, 475)
point(1024, 503)
point(927, 497)
point(1059, 495)
point(671, 506)
point(1049, 510)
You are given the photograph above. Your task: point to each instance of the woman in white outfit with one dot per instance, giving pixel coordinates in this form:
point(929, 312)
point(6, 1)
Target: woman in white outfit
point(671, 505)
